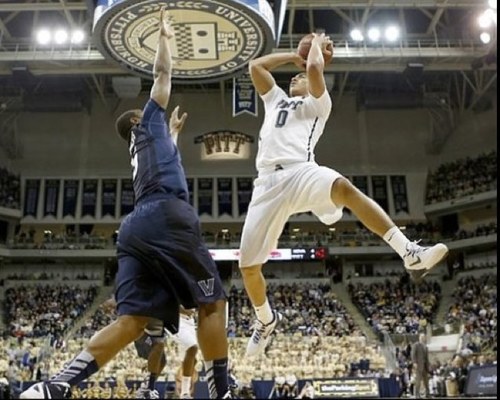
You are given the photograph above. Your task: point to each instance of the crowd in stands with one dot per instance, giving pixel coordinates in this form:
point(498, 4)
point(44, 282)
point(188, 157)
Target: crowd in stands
point(427, 233)
point(42, 310)
point(353, 237)
point(309, 356)
point(446, 379)
point(21, 359)
point(44, 276)
point(308, 309)
point(462, 177)
point(10, 189)
point(475, 304)
point(302, 357)
point(317, 337)
point(479, 265)
point(449, 378)
point(397, 307)
point(60, 241)
point(103, 316)
point(481, 230)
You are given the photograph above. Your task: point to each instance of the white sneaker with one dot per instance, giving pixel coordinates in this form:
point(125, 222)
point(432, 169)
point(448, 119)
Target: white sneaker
point(185, 396)
point(261, 335)
point(145, 393)
point(419, 260)
point(47, 390)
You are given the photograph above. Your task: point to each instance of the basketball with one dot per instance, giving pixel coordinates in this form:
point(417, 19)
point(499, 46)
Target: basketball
point(305, 45)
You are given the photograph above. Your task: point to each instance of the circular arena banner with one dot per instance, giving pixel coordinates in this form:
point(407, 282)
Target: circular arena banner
point(214, 39)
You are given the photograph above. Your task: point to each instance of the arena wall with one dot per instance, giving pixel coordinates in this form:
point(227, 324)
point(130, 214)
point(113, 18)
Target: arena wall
point(354, 142)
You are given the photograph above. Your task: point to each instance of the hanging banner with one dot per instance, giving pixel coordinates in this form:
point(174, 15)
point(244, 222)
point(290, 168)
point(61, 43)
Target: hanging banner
point(225, 196)
point(379, 184)
point(31, 192)
point(51, 197)
point(244, 186)
point(89, 198)
point(108, 197)
point(127, 197)
point(190, 185)
point(205, 190)
point(70, 196)
point(399, 193)
point(279, 8)
point(244, 96)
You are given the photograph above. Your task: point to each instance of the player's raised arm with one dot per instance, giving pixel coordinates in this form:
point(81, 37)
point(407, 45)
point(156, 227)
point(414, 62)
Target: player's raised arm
point(162, 69)
point(316, 64)
point(176, 124)
point(260, 69)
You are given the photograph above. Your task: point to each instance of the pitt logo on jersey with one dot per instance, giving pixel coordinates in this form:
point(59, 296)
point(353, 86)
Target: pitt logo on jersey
point(283, 104)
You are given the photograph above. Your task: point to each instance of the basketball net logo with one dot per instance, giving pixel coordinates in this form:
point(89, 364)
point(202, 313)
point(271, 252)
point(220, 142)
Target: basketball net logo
point(213, 39)
point(207, 286)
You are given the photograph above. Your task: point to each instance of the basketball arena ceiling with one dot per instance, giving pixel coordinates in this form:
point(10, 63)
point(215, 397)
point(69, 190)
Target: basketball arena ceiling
point(439, 47)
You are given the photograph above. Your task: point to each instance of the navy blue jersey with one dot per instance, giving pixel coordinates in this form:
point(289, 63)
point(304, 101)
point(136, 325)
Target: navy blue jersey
point(155, 159)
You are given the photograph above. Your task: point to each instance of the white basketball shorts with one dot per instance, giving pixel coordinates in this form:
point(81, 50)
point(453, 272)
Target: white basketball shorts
point(186, 336)
point(276, 196)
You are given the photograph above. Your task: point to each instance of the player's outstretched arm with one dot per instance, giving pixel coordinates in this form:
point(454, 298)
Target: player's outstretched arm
point(316, 64)
point(176, 124)
point(260, 69)
point(162, 69)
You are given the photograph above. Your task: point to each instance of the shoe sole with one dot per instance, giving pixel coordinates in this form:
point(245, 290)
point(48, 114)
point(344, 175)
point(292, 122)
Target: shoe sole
point(279, 316)
point(419, 279)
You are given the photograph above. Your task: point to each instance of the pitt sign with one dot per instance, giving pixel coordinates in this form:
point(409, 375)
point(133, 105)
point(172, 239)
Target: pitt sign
point(214, 39)
point(224, 145)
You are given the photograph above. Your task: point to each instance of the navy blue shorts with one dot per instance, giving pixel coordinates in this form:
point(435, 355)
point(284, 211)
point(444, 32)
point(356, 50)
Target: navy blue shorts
point(163, 262)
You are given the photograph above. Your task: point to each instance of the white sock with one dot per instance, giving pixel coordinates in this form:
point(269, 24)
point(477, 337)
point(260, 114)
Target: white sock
point(397, 240)
point(186, 385)
point(264, 313)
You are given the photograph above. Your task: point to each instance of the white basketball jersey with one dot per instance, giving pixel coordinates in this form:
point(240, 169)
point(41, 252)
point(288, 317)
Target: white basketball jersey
point(292, 127)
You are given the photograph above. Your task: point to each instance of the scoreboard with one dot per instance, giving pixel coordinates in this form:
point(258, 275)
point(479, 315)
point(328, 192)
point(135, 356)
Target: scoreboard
point(309, 253)
point(302, 253)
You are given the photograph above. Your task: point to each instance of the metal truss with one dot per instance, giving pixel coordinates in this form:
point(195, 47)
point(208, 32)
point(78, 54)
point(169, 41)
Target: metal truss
point(467, 82)
point(349, 57)
point(362, 4)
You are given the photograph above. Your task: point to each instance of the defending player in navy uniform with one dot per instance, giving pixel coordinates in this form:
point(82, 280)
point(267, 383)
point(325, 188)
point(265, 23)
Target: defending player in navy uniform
point(162, 260)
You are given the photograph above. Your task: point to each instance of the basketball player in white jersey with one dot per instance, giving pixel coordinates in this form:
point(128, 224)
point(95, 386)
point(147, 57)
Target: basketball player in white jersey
point(289, 181)
point(188, 348)
point(151, 347)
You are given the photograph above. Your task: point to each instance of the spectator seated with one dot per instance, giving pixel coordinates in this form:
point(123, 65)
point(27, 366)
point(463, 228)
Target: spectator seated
point(462, 177)
point(42, 310)
point(476, 306)
point(397, 306)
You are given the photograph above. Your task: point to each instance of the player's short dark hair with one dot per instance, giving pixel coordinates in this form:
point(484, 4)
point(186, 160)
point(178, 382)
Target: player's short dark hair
point(124, 124)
